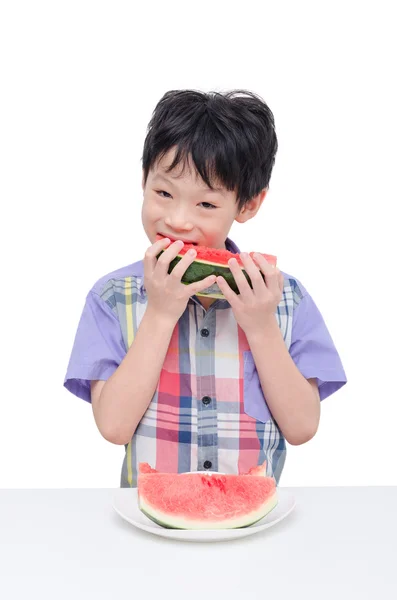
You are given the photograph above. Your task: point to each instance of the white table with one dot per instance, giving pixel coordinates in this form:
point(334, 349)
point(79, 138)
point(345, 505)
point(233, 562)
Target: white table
point(339, 542)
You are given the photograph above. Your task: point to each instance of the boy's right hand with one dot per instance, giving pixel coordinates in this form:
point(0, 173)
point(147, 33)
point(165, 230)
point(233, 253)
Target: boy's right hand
point(167, 295)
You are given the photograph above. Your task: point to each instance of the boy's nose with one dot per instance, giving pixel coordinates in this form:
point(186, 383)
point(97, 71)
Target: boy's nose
point(178, 224)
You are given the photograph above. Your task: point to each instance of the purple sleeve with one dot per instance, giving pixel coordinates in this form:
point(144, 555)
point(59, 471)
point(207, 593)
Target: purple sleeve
point(98, 347)
point(313, 350)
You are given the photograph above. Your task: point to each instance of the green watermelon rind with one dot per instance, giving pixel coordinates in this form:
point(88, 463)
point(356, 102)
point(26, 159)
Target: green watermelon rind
point(200, 269)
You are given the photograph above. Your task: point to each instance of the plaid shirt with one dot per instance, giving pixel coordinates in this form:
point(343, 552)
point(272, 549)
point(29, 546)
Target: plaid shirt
point(208, 411)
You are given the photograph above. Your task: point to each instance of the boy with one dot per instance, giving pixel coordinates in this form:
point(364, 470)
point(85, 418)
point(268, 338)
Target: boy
point(190, 383)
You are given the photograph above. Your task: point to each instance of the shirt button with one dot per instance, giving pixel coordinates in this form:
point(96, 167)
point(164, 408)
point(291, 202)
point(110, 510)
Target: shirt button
point(206, 400)
point(207, 464)
point(205, 332)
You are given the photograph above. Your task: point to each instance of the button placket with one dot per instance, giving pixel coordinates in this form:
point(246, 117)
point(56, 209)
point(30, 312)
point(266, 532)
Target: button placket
point(207, 437)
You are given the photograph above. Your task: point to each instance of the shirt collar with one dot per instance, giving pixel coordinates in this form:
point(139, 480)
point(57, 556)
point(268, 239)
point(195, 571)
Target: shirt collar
point(229, 244)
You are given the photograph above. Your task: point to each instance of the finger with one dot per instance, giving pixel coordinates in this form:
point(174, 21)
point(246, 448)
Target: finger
point(226, 290)
point(150, 258)
point(270, 272)
point(180, 268)
point(254, 272)
point(163, 262)
point(240, 279)
point(199, 286)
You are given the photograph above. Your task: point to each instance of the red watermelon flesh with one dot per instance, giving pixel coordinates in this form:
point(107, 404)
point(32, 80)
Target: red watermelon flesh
point(260, 470)
point(206, 500)
point(146, 468)
point(219, 255)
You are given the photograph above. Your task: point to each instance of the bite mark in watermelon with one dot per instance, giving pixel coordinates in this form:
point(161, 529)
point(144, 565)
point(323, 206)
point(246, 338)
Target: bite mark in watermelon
point(206, 501)
point(212, 261)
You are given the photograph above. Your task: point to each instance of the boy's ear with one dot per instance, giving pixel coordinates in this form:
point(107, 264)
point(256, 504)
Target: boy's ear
point(250, 209)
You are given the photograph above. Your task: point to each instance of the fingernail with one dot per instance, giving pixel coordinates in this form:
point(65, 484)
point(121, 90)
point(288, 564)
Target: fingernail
point(192, 252)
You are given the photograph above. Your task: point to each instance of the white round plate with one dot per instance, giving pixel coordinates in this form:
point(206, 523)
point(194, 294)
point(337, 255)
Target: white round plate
point(125, 503)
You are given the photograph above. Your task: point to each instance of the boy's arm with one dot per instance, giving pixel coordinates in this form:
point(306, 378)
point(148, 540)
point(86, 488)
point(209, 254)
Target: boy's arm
point(293, 400)
point(119, 403)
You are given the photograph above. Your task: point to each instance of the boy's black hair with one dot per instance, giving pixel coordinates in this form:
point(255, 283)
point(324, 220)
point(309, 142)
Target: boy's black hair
point(231, 138)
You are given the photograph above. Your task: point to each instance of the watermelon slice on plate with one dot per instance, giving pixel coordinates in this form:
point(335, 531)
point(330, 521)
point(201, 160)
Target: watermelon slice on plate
point(125, 504)
point(212, 261)
point(206, 500)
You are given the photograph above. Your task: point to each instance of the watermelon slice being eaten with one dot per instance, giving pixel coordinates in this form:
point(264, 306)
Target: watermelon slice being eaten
point(212, 261)
point(199, 500)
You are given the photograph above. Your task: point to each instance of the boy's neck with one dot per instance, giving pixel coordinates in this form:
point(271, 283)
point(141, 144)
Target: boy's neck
point(206, 302)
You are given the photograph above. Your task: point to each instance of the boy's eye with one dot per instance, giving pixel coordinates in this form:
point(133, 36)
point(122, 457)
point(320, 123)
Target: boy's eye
point(207, 203)
point(162, 192)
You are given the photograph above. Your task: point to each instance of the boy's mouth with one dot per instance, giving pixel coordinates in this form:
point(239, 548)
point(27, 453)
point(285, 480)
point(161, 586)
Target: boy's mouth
point(160, 236)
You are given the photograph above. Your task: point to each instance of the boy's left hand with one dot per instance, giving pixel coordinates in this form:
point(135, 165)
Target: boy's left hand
point(253, 308)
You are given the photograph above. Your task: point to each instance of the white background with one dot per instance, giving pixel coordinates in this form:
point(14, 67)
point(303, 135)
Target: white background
point(79, 83)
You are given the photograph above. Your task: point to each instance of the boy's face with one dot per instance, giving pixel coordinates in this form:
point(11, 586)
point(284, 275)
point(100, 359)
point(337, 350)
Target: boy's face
point(185, 208)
